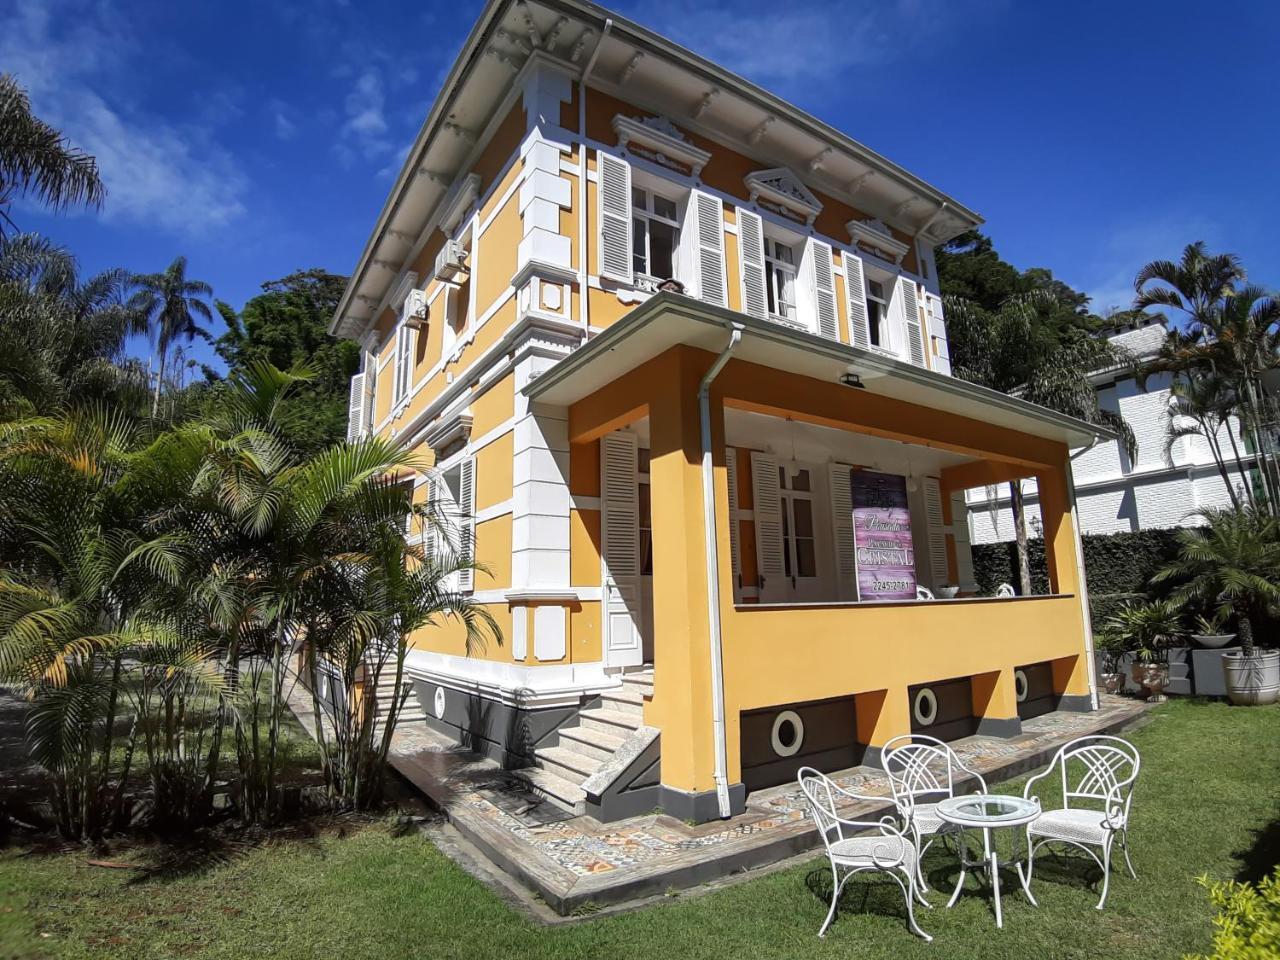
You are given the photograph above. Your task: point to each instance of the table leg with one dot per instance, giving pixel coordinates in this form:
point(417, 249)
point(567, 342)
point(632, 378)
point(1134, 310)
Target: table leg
point(964, 863)
point(993, 866)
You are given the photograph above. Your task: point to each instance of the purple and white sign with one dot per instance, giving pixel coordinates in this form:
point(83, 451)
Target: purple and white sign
point(882, 537)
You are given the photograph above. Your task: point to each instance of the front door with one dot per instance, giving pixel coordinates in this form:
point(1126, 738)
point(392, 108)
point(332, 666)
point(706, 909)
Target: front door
point(793, 535)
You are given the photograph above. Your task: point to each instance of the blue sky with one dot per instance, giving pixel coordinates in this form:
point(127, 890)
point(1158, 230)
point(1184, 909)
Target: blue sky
point(260, 138)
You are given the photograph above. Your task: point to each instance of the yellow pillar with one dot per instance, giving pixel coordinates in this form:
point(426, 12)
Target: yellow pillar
point(1071, 677)
point(995, 702)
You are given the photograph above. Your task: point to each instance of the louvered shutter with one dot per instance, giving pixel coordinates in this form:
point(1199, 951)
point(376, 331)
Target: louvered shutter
point(767, 511)
point(856, 293)
point(620, 527)
point(937, 532)
point(467, 522)
point(755, 302)
point(911, 316)
point(964, 549)
point(370, 391)
point(842, 531)
point(615, 217)
point(708, 216)
point(731, 477)
point(431, 532)
point(356, 408)
point(937, 331)
point(824, 290)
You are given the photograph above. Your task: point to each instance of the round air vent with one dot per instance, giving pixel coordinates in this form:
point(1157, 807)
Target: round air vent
point(925, 707)
point(1020, 686)
point(438, 703)
point(788, 733)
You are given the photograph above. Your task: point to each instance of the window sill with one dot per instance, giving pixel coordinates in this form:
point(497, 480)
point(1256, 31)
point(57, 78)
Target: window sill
point(853, 604)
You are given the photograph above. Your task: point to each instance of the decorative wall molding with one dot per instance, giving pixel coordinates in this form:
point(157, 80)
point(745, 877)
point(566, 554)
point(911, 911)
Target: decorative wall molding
point(875, 235)
point(463, 194)
point(449, 430)
point(783, 192)
point(660, 140)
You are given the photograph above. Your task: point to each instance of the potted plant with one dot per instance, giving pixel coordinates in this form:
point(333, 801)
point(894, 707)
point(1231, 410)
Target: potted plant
point(1111, 647)
point(1232, 565)
point(1148, 630)
point(948, 591)
point(1208, 631)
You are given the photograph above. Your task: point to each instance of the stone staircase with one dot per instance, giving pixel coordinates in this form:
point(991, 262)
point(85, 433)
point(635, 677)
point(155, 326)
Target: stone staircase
point(582, 749)
point(386, 693)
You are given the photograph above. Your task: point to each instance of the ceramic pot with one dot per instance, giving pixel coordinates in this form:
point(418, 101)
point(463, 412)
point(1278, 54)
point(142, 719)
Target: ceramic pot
point(948, 593)
point(1213, 640)
point(1252, 681)
point(1153, 676)
point(1113, 683)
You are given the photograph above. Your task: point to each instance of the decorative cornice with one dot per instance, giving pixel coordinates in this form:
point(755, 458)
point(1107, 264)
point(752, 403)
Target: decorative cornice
point(449, 430)
point(662, 138)
point(408, 281)
point(464, 194)
point(875, 235)
point(782, 188)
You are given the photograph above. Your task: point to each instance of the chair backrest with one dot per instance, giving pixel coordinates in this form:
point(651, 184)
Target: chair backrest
point(822, 804)
point(1005, 590)
point(924, 593)
point(1099, 769)
point(920, 768)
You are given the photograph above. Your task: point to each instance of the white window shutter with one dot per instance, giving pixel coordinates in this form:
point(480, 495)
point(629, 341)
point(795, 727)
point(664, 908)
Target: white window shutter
point(856, 293)
point(964, 548)
point(842, 529)
point(755, 302)
point(767, 511)
point(731, 476)
point(356, 408)
point(467, 522)
point(708, 213)
point(937, 532)
point(615, 217)
point(911, 316)
point(620, 529)
point(937, 331)
point(824, 290)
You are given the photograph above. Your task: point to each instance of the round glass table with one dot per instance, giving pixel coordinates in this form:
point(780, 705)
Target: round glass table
point(987, 812)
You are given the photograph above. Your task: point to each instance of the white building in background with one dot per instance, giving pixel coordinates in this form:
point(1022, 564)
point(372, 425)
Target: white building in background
point(1117, 493)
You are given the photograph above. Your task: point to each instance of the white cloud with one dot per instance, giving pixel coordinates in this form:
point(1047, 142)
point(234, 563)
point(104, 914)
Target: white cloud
point(172, 176)
point(283, 123)
point(1122, 252)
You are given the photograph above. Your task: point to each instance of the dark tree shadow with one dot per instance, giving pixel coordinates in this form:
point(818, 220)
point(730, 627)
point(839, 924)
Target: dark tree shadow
point(1262, 855)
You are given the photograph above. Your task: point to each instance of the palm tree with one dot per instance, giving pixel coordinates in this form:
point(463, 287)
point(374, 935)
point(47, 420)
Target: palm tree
point(1195, 285)
point(171, 303)
point(1034, 347)
point(1230, 565)
point(35, 159)
point(1203, 403)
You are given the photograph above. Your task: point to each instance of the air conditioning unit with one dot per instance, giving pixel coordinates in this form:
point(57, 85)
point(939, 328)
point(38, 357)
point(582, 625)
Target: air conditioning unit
point(451, 263)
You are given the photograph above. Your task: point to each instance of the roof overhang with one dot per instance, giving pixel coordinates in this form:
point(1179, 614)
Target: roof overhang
point(668, 320)
point(511, 36)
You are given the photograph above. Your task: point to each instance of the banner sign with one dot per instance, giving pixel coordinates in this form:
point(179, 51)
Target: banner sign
point(882, 537)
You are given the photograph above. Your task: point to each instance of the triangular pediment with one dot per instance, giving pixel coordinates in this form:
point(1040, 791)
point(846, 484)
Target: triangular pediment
point(781, 186)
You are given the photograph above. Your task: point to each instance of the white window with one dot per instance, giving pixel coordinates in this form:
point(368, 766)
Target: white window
point(403, 363)
point(780, 279)
point(655, 234)
point(877, 314)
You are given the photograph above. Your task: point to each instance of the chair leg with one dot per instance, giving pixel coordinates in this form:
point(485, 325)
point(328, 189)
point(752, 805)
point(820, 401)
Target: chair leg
point(1106, 871)
point(920, 861)
point(837, 884)
point(908, 894)
point(1124, 843)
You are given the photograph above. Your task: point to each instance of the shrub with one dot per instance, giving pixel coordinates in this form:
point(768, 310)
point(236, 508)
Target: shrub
point(1247, 926)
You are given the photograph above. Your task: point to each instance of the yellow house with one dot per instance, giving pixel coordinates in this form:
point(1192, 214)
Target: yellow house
point(677, 353)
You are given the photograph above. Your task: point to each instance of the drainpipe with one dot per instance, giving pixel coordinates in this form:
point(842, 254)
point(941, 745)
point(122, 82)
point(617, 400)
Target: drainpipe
point(583, 294)
point(1083, 585)
point(713, 574)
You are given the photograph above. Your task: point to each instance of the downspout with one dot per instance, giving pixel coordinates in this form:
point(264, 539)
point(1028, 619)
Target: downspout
point(713, 575)
point(1083, 589)
point(584, 297)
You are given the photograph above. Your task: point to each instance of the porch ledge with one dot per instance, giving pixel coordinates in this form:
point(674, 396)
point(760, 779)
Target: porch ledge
point(827, 604)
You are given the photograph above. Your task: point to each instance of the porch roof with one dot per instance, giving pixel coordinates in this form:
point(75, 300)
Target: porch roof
point(667, 320)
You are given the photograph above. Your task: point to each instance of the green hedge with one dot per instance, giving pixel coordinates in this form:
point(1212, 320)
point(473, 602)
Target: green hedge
point(1117, 565)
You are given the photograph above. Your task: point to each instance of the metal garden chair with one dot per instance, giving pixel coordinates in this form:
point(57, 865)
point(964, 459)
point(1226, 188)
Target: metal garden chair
point(922, 772)
point(1098, 774)
point(882, 847)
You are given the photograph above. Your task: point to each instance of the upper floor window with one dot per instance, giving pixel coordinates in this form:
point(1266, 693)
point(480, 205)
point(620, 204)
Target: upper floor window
point(655, 234)
point(780, 279)
point(403, 363)
point(877, 313)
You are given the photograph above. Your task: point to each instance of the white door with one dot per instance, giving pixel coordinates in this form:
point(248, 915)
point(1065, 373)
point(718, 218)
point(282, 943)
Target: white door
point(805, 533)
point(620, 529)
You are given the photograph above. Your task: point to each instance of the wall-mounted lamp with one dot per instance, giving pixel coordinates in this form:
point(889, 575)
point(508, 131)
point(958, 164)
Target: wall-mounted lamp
point(852, 380)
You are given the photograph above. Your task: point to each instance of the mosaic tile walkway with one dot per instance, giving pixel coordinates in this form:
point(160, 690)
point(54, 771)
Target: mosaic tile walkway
point(571, 860)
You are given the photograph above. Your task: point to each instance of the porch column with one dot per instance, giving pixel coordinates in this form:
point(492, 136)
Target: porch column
point(881, 715)
point(995, 703)
point(1073, 678)
point(681, 704)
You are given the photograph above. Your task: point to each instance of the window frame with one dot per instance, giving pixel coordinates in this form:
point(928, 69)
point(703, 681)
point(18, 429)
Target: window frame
point(648, 215)
point(774, 266)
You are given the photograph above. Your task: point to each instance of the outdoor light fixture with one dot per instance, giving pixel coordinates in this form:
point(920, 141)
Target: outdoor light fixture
point(852, 380)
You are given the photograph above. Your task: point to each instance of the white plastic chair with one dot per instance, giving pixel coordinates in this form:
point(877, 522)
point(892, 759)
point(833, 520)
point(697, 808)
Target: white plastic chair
point(1005, 590)
point(924, 593)
point(922, 772)
point(883, 848)
point(1098, 774)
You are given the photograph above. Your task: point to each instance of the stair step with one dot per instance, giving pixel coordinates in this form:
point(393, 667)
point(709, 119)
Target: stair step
point(624, 700)
point(566, 764)
point(564, 794)
point(643, 682)
point(613, 722)
point(590, 743)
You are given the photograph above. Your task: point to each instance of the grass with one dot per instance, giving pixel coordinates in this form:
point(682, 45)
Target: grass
point(1208, 802)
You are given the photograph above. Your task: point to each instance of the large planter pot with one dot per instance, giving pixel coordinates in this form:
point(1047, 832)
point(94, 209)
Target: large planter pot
point(948, 592)
point(1113, 683)
point(1252, 680)
point(1153, 676)
point(1213, 640)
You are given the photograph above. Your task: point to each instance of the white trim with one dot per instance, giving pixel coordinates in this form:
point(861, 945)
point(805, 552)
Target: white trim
point(922, 695)
point(511, 683)
point(787, 749)
point(580, 502)
point(493, 511)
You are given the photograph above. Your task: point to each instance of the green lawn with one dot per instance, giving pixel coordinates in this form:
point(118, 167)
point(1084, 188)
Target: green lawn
point(1208, 802)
